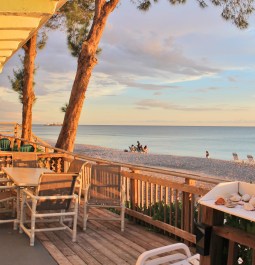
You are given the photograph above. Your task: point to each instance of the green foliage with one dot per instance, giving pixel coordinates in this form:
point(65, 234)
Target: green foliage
point(64, 108)
point(17, 81)
point(237, 12)
point(244, 253)
point(162, 212)
point(41, 39)
point(78, 15)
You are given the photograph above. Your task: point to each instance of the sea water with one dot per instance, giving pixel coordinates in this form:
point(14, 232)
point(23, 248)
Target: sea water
point(220, 142)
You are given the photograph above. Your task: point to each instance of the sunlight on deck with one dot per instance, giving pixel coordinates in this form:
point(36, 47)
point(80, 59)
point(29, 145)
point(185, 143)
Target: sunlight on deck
point(103, 243)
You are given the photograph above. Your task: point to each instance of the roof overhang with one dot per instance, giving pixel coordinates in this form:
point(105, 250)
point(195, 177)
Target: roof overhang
point(19, 20)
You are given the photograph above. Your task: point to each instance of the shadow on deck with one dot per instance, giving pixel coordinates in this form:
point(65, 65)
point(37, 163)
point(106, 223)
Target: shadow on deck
point(102, 242)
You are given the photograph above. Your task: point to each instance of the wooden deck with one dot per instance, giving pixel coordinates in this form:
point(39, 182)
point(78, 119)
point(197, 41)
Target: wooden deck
point(102, 243)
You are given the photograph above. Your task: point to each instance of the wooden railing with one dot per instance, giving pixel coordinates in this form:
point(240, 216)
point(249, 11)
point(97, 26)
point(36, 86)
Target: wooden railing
point(162, 199)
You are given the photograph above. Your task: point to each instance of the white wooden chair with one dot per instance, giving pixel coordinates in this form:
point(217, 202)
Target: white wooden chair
point(52, 198)
point(177, 254)
point(81, 167)
point(7, 200)
point(250, 159)
point(104, 188)
point(236, 158)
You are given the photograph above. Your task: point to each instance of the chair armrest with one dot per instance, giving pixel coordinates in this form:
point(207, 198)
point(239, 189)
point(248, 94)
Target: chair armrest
point(55, 197)
point(7, 187)
point(4, 180)
point(166, 249)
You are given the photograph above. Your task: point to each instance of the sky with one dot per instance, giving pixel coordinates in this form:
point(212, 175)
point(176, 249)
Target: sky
point(174, 65)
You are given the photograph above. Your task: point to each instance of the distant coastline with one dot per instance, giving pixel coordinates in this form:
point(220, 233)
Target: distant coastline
point(53, 124)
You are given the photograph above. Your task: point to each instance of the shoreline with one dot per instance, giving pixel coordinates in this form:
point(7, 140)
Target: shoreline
point(215, 168)
point(227, 170)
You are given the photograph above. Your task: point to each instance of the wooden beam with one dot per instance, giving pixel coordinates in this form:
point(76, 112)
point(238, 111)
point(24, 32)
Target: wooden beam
point(18, 40)
point(23, 18)
point(14, 34)
point(29, 6)
point(236, 235)
point(21, 14)
point(17, 28)
point(164, 226)
point(166, 182)
point(13, 22)
point(8, 44)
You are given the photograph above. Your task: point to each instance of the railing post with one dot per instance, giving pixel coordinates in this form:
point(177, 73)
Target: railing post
point(232, 252)
point(134, 191)
point(213, 217)
point(186, 210)
point(16, 129)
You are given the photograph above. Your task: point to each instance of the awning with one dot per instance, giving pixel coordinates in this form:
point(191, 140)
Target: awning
point(19, 20)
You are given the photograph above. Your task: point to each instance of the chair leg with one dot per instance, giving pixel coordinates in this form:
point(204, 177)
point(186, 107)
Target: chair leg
point(32, 235)
point(22, 212)
point(122, 218)
point(75, 217)
point(61, 218)
point(85, 216)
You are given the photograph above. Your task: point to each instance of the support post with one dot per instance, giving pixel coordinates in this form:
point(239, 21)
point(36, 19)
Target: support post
point(213, 217)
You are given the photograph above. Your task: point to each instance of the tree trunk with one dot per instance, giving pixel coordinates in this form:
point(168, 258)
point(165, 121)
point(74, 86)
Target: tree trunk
point(28, 89)
point(86, 63)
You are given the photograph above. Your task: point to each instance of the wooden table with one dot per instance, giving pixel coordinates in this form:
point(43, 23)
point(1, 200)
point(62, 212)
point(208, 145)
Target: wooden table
point(23, 177)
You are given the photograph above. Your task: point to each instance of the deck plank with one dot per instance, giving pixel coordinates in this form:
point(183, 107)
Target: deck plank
point(102, 243)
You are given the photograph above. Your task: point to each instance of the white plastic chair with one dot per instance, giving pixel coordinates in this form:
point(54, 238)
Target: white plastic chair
point(250, 159)
point(177, 254)
point(236, 158)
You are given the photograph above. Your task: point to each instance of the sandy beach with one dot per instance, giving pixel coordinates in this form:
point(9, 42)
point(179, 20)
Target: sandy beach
point(229, 170)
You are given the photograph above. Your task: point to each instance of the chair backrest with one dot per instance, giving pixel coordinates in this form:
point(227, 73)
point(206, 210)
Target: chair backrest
point(5, 144)
point(235, 156)
point(55, 184)
point(76, 165)
point(27, 148)
point(105, 183)
point(83, 168)
point(24, 159)
point(250, 158)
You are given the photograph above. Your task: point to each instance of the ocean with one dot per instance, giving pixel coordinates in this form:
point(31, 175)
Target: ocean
point(220, 142)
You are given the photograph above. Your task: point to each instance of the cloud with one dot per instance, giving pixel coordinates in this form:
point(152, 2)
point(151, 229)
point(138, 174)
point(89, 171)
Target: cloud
point(48, 83)
point(148, 104)
point(208, 89)
point(104, 85)
point(10, 106)
point(142, 55)
point(232, 79)
point(151, 87)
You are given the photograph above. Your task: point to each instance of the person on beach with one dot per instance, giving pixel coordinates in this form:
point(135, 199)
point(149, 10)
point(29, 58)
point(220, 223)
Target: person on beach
point(139, 146)
point(132, 148)
point(206, 154)
point(145, 149)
